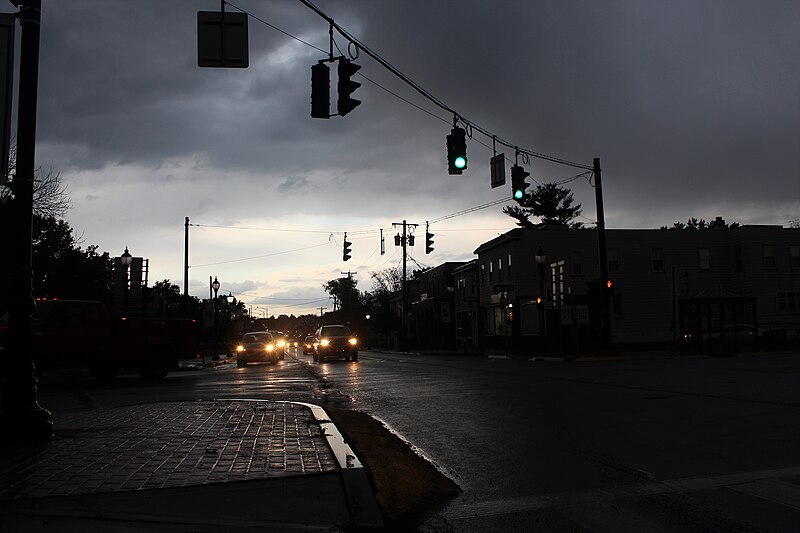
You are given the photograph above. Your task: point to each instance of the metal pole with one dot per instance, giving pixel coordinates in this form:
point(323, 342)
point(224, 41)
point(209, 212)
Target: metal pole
point(605, 313)
point(186, 267)
point(404, 317)
point(22, 419)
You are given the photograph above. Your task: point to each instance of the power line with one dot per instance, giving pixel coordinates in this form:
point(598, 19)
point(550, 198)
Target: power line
point(417, 87)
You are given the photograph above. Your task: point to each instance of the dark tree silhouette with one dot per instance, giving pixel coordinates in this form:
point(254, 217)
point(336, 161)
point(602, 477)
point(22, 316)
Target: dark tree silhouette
point(551, 203)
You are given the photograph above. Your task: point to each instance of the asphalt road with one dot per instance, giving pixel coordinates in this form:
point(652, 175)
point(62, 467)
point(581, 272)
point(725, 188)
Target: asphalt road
point(660, 444)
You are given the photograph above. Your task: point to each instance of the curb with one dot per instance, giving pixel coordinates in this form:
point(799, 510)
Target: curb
point(362, 503)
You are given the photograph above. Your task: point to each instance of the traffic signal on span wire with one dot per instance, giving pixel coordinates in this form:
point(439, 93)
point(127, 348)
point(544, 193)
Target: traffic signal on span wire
point(456, 151)
point(346, 248)
point(428, 242)
point(518, 183)
point(320, 91)
point(346, 87)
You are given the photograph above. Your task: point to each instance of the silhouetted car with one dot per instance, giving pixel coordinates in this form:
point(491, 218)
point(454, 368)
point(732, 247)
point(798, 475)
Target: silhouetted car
point(335, 341)
point(308, 345)
point(257, 346)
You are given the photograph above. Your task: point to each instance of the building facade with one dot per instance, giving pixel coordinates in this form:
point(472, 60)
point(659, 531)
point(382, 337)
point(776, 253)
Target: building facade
point(651, 271)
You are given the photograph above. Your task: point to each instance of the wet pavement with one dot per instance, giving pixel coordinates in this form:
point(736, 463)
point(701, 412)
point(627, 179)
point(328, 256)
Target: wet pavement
point(282, 465)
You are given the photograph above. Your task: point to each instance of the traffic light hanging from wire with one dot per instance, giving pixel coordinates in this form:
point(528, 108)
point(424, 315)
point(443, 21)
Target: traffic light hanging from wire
point(346, 248)
point(346, 87)
point(428, 242)
point(518, 183)
point(320, 91)
point(456, 151)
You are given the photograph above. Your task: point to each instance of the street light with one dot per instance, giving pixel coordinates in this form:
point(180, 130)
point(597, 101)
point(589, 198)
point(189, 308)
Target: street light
point(215, 286)
point(541, 259)
point(229, 298)
point(126, 259)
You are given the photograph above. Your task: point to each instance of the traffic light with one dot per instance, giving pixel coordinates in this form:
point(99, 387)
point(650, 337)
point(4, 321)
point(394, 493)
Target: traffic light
point(609, 287)
point(346, 248)
point(518, 183)
point(346, 86)
point(320, 91)
point(411, 240)
point(538, 300)
point(428, 242)
point(456, 151)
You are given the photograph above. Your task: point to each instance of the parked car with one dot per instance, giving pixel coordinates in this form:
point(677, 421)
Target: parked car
point(257, 346)
point(335, 341)
point(308, 345)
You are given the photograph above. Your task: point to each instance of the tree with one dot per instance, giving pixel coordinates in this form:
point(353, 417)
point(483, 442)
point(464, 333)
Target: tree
point(50, 195)
point(698, 225)
point(386, 283)
point(344, 292)
point(551, 203)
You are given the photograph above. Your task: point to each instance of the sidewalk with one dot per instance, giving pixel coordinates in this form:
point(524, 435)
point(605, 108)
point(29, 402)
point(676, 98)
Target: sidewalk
point(188, 466)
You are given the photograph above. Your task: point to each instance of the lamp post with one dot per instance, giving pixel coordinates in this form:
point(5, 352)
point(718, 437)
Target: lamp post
point(126, 259)
point(215, 286)
point(229, 298)
point(541, 259)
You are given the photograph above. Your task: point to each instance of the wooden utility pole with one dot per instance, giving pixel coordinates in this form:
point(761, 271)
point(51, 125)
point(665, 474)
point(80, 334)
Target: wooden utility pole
point(605, 311)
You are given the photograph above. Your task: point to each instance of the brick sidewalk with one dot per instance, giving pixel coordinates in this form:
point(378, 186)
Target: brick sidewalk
point(165, 445)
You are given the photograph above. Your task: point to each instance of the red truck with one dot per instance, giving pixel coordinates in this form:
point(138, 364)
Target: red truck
point(83, 333)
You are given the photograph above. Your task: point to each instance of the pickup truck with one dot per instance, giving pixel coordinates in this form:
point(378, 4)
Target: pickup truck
point(83, 333)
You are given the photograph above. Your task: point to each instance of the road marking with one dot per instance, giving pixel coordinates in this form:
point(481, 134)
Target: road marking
point(773, 490)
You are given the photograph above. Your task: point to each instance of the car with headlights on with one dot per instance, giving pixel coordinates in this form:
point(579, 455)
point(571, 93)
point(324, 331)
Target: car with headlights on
point(308, 345)
point(335, 340)
point(257, 346)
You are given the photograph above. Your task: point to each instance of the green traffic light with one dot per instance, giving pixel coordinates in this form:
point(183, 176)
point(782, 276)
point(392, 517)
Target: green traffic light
point(460, 162)
point(518, 194)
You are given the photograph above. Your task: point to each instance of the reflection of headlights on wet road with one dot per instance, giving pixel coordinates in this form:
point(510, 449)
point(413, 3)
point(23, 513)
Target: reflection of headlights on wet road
point(353, 341)
point(270, 347)
point(324, 342)
point(240, 348)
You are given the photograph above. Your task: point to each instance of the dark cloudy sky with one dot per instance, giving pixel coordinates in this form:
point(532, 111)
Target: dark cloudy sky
point(692, 106)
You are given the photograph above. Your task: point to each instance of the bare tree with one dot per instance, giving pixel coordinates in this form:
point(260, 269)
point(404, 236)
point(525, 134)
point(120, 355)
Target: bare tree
point(50, 195)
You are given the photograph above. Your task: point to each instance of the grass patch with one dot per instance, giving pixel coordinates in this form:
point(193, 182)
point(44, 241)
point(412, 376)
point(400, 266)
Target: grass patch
point(405, 484)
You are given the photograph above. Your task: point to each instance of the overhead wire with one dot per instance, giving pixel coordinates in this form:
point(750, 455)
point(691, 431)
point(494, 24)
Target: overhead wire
point(414, 85)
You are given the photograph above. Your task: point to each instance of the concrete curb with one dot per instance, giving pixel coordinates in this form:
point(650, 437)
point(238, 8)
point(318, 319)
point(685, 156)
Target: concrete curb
point(361, 501)
point(363, 506)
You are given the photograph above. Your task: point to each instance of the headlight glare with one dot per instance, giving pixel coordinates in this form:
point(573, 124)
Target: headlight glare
point(324, 342)
point(353, 341)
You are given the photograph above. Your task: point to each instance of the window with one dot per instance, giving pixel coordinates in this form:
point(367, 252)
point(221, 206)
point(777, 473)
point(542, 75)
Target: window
point(461, 285)
point(557, 277)
point(616, 306)
point(509, 265)
point(738, 262)
point(769, 256)
point(657, 259)
point(794, 256)
point(491, 270)
point(704, 259)
point(499, 268)
point(577, 265)
point(483, 273)
point(789, 302)
point(612, 256)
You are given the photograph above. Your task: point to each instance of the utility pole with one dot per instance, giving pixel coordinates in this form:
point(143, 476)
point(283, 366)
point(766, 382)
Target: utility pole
point(22, 419)
point(346, 295)
point(186, 267)
point(321, 309)
point(605, 312)
point(406, 304)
